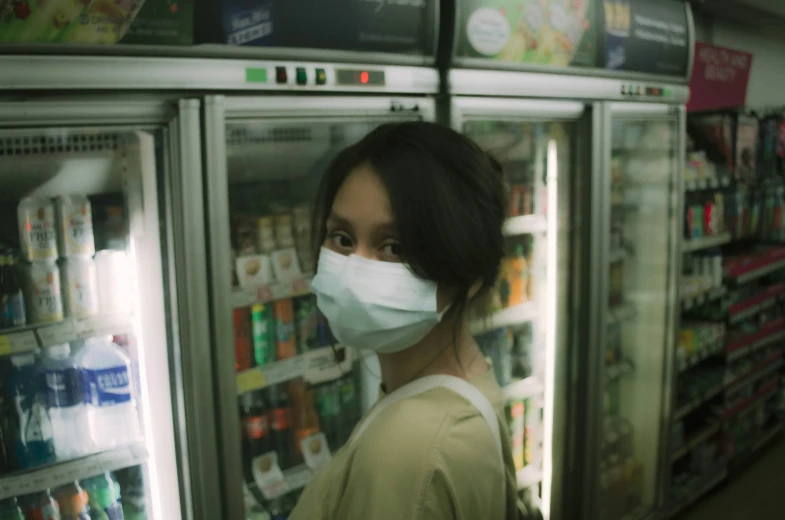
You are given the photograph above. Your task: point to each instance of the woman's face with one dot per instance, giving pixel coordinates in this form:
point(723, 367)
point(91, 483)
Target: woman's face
point(361, 221)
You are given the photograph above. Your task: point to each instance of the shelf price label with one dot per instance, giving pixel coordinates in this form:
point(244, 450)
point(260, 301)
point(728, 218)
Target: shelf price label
point(249, 380)
point(268, 476)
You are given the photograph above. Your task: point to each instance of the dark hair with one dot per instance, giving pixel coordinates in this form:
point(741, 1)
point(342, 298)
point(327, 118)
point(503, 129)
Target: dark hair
point(447, 198)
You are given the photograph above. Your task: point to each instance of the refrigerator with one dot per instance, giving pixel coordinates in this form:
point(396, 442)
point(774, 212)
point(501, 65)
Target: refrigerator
point(592, 165)
point(94, 277)
point(287, 395)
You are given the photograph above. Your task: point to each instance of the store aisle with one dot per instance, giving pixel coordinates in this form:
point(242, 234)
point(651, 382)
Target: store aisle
point(757, 493)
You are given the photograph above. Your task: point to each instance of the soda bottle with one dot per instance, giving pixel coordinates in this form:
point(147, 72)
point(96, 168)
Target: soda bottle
point(256, 424)
point(73, 502)
point(281, 427)
point(103, 498)
point(41, 506)
point(242, 340)
point(263, 334)
point(305, 421)
point(285, 337)
point(10, 510)
point(328, 406)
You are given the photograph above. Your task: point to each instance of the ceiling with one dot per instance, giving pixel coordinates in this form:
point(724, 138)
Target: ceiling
point(748, 12)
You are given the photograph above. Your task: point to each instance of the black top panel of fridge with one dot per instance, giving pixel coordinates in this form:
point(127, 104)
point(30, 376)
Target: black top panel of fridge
point(616, 36)
point(392, 27)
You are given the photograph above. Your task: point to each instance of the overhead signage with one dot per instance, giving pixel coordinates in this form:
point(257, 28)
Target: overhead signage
point(389, 26)
point(649, 36)
point(719, 78)
point(551, 33)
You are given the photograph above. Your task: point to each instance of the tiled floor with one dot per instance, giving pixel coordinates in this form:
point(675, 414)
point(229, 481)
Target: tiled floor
point(758, 493)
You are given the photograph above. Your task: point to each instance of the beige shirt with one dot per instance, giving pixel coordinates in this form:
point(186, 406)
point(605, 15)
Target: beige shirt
point(428, 457)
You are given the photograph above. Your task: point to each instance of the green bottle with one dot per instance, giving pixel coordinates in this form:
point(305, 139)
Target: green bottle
point(104, 498)
point(10, 510)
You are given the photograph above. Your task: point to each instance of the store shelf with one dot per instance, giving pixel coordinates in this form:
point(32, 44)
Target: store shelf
point(509, 317)
point(618, 370)
point(771, 364)
point(693, 442)
point(694, 404)
point(523, 389)
point(701, 354)
point(766, 391)
point(525, 224)
point(31, 337)
point(316, 366)
point(247, 296)
point(52, 476)
point(745, 309)
point(706, 183)
point(528, 477)
point(696, 244)
point(754, 342)
point(714, 479)
point(620, 313)
point(760, 269)
point(689, 302)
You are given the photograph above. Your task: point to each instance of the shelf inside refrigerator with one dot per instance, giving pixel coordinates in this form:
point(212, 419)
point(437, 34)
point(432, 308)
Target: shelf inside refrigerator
point(698, 355)
point(30, 337)
point(706, 433)
point(315, 366)
point(696, 402)
point(700, 295)
point(525, 224)
point(247, 296)
point(52, 476)
point(705, 242)
point(706, 183)
point(509, 317)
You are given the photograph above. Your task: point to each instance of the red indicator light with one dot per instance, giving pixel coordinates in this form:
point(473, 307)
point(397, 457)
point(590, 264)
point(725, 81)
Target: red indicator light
point(364, 78)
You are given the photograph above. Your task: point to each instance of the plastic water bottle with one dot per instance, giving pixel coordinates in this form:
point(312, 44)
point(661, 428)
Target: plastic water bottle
point(111, 408)
point(34, 442)
point(65, 397)
point(104, 498)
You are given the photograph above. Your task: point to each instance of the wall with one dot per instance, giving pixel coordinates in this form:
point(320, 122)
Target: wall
point(767, 45)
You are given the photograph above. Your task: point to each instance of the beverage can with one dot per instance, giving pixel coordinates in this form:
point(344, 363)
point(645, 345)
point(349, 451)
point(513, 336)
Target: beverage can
point(285, 337)
point(263, 333)
point(75, 226)
point(45, 302)
point(37, 235)
point(113, 275)
point(80, 287)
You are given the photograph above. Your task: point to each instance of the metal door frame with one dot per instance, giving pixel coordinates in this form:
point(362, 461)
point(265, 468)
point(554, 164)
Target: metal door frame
point(187, 330)
point(218, 112)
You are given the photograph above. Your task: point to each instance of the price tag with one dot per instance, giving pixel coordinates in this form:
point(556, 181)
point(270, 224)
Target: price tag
point(55, 334)
point(322, 364)
point(299, 477)
point(301, 286)
point(268, 476)
point(249, 380)
point(316, 451)
point(116, 459)
point(264, 294)
point(5, 346)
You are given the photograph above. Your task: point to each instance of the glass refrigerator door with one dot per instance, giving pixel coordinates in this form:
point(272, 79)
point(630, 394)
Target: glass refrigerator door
point(526, 332)
point(289, 395)
point(87, 415)
point(639, 297)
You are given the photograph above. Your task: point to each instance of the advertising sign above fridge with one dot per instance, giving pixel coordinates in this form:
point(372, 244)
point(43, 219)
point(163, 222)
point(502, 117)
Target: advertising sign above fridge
point(388, 26)
point(719, 78)
point(556, 33)
point(650, 36)
point(105, 22)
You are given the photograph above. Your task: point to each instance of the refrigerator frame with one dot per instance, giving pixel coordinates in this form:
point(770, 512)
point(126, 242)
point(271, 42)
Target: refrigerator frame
point(219, 111)
point(126, 116)
point(675, 113)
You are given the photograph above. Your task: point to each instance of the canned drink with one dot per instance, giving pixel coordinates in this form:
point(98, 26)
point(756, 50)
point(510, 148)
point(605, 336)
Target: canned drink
point(37, 229)
point(80, 287)
point(114, 287)
point(45, 302)
point(75, 226)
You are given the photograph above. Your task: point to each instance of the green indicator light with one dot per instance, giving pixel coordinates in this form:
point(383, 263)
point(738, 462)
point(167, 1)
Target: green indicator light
point(255, 75)
point(668, 92)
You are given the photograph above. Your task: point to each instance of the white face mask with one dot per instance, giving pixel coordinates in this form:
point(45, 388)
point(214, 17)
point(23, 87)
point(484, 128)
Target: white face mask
point(379, 306)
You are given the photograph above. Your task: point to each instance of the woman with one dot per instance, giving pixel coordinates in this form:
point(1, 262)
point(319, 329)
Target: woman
point(410, 226)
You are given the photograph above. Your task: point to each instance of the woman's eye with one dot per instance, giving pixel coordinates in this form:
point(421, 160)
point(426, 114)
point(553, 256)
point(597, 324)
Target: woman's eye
point(341, 241)
point(392, 249)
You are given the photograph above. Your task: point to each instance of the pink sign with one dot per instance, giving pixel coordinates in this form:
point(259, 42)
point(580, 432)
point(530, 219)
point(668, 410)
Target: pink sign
point(719, 78)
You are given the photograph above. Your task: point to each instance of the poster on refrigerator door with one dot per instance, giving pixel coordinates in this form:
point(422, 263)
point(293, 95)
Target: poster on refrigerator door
point(557, 33)
point(97, 22)
point(390, 26)
point(649, 36)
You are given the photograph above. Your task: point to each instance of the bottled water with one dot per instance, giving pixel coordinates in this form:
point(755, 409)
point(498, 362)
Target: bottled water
point(65, 396)
point(111, 408)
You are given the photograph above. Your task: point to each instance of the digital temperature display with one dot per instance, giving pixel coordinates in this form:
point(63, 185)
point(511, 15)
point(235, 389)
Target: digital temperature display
point(359, 77)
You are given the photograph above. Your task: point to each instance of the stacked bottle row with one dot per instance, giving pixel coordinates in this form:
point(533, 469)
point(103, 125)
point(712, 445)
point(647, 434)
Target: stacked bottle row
point(65, 402)
point(95, 498)
point(515, 284)
point(268, 332)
